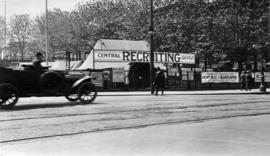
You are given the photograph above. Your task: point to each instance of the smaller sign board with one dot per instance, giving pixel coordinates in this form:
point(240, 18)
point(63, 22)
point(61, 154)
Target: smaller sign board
point(198, 69)
point(220, 77)
point(266, 77)
point(186, 69)
point(201, 65)
point(172, 71)
point(98, 81)
point(118, 75)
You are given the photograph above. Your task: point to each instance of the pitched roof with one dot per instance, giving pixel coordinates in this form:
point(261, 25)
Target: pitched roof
point(107, 44)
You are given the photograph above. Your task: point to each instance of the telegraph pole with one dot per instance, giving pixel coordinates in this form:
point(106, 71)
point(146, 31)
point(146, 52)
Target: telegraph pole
point(5, 30)
point(46, 32)
point(151, 33)
point(268, 43)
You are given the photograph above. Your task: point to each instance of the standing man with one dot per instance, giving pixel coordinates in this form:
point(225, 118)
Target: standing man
point(248, 78)
point(159, 83)
point(242, 80)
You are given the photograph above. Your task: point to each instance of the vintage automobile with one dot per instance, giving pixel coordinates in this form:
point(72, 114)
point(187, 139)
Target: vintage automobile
point(32, 82)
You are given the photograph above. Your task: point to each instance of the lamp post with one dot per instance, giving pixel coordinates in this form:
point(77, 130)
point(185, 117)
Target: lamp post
point(151, 33)
point(5, 30)
point(46, 32)
point(262, 85)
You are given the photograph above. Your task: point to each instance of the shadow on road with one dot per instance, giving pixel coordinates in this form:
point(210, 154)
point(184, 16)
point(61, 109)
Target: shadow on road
point(47, 105)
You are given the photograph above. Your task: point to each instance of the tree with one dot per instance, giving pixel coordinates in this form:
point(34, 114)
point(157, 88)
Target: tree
point(2, 31)
point(217, 30)
point(67, 32)
point(19, 32)
point(115, 19)
point(243, 25)
point(220, 30)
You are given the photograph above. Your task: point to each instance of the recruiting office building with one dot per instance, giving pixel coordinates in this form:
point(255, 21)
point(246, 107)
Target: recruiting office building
point(127, 62)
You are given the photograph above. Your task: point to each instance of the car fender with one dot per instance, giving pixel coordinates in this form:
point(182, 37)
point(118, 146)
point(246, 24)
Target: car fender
point(80, 81)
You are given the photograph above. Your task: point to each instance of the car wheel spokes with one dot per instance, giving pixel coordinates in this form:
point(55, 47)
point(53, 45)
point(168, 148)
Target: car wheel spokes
point(87, 92)
point(72, 97)
point(87, 95)
point(11, 96)
point(10, 100)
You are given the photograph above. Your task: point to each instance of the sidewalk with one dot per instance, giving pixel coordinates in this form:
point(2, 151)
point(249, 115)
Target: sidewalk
point(196, 92)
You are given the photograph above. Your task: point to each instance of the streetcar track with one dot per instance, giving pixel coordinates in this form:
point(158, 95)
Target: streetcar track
point(130, 118)
point(134, 116)
point(138, 110)
point(133, 127)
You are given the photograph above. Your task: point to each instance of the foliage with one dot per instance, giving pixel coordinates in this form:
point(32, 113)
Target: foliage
point(221, 30)
point(120, 19)
point(218, 29)
point(2, 31)
point(19, 32)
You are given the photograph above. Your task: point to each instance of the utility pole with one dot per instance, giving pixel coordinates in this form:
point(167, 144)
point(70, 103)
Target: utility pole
point(5, 30)
point(151, 33)
point(262, 85)
point(46, 32)
point(269, 17)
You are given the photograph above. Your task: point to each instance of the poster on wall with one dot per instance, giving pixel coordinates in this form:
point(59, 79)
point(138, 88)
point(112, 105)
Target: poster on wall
point(220, 77)
point(106, 75)
point(118, 75)
point(98, 81)
point(173, 71)
point(266, 77)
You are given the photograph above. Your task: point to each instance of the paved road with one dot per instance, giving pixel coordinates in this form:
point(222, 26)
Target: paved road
point(247, 136)
point(36, 118)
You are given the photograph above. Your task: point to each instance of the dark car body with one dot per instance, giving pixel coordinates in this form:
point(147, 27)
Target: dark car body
point(31, 82)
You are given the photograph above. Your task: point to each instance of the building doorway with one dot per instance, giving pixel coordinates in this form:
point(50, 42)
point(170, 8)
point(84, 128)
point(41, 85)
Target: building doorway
point(139, 75)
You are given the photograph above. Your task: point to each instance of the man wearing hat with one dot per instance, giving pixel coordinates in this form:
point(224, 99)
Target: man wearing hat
point(159, 81)
point(38, 59)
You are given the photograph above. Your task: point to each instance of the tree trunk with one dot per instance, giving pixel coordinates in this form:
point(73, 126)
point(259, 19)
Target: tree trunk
point(255, 63)
point(22, 56)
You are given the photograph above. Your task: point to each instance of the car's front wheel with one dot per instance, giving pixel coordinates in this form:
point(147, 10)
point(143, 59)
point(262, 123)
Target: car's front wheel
point(87, 92)
point(9, 96)
point(72, 97)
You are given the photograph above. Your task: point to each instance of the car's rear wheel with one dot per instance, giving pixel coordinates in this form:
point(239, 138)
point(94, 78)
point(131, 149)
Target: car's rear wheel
point(87, 92)
point(9, 96)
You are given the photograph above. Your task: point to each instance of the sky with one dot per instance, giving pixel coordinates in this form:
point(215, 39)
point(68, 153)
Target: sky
point(35, 7)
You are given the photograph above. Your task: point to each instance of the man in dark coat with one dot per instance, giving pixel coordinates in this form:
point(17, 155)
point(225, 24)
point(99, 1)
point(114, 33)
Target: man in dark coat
point(38, 59)
point(248, 78)
point(242, 80)
point(159, 81)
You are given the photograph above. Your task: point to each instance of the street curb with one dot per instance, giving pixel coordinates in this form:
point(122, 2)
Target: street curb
point(247, 93)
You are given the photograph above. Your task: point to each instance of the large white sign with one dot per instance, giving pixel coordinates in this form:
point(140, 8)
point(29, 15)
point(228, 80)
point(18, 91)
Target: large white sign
point(266, 77)
point(142, 56)
point(220, 77)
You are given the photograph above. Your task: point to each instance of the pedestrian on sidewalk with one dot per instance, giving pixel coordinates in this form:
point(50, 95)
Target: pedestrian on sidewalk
point(159, 83)
point(242, 80)
point(248, 78)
